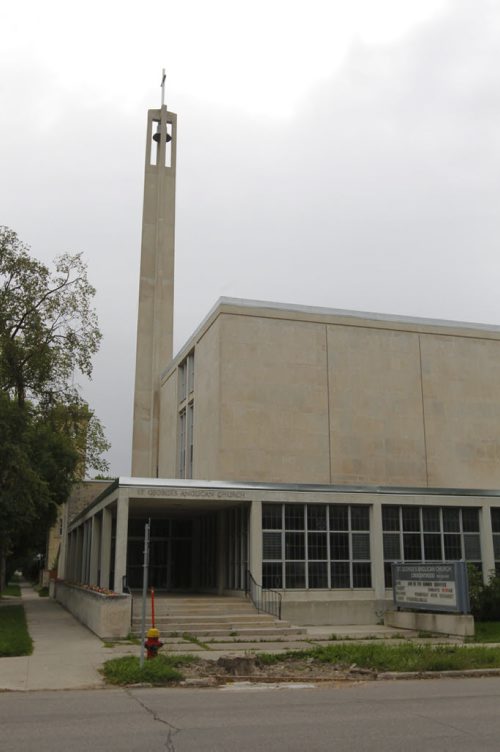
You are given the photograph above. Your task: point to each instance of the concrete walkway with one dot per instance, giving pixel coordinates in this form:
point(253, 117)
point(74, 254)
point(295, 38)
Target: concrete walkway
point(66, 654)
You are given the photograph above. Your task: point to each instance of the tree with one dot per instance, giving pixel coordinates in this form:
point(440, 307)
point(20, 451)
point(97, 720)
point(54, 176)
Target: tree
point(49, 437)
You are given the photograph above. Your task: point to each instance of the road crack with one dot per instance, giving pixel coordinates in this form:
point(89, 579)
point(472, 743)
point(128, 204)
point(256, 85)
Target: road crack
point(172, 730)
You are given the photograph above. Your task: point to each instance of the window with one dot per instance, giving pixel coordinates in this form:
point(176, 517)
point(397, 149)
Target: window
point(429, 534)
point(185, 432)
point(495, 524)
point(316, 546)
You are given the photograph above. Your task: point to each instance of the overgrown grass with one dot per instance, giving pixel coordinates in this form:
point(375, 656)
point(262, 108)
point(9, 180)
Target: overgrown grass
point(14, 636)
point(158, 671)
point(11, 589)
point(487, 631)
point(43, 592)
point(406, 657)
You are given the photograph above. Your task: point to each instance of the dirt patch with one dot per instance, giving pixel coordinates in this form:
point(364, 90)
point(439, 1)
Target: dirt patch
point(228, 668)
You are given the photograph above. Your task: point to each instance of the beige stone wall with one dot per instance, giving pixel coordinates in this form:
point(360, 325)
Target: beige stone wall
point(167, 462)
point(376, 411)
point(461, 386)
point(274, 401)
point(285, 396)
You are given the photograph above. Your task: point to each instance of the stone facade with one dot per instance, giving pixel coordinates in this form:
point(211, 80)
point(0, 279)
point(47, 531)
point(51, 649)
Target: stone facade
point(289, 394)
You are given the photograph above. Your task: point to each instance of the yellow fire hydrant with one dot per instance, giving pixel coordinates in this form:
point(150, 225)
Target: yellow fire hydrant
point(153, 642)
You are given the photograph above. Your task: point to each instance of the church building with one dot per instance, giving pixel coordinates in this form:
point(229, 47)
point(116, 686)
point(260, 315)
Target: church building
point(296, 448)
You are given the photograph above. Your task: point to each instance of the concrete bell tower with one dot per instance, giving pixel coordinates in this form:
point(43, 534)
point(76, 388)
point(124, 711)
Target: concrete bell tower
point(156, 288)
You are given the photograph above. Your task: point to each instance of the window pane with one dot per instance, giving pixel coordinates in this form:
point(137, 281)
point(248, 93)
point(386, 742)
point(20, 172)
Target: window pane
point(360, 546)
point(295, 574)
point(432, 547)
point(272, 576)
point(361, 575)
point(392, 546)
point(388, 574)
point(451, 520)
point(340, 575)
point(294, 516)
point(470, 520)
point(339, 546)
point(472, 547)
point(316, 517)
point(411, 547)
point(271, 546)
point(316, 546)
point(360, 518)
point(432, 519)
point(318, 574)
point(495, 520)
point(411, 518)
point(452, 547)
point(339, 517)
point(294, 546)
point(496, 546)
point(271, 516)
point(390, 518)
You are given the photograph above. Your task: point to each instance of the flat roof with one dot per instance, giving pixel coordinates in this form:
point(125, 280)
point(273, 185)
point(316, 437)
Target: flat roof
point(342, 316)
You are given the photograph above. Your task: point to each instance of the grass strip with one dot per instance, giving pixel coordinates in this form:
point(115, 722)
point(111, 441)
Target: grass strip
point(407, 657)
point(14, 636)
point(12, 590)
point(487, 631)
point(159, 671)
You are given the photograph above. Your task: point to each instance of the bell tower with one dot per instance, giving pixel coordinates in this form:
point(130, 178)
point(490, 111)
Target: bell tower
point(156, 287)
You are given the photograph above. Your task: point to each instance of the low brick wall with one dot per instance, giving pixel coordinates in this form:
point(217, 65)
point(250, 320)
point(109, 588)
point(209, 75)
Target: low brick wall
point(109, 616)
point(428, 621)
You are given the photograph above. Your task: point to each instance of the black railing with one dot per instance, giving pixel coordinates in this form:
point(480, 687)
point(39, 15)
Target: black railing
point(263, 599)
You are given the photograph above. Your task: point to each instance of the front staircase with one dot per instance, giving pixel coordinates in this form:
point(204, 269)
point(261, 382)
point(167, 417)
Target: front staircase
point(212, 617)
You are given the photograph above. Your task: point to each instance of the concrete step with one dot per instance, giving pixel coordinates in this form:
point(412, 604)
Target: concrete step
point(215, 619)
point(252, 633)
point(169, 626)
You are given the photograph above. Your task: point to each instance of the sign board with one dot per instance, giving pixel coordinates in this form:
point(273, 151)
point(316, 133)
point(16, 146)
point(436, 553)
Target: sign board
point(431, 586)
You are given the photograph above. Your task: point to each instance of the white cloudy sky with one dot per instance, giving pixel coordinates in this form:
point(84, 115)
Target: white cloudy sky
point(342, 153)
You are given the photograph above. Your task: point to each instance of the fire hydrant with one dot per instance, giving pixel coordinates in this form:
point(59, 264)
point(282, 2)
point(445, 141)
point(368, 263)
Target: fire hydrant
point(152, 643)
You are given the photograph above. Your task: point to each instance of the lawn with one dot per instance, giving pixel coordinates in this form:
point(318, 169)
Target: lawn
point(160, 671)
point(14, 636)
point(11, 590)
point(487, 631)
point(406, 657)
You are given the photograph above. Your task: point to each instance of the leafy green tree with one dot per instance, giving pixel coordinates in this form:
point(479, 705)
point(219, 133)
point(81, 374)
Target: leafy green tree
point(48, 435)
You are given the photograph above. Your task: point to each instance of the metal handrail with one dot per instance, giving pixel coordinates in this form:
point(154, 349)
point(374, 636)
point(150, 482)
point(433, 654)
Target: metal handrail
point(263, 599)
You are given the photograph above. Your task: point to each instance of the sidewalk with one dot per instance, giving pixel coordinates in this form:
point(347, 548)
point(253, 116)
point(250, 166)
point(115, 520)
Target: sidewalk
point(66, 654)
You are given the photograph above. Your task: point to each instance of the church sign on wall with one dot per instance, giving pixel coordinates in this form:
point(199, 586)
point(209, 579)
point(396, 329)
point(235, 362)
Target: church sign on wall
point(429, 586)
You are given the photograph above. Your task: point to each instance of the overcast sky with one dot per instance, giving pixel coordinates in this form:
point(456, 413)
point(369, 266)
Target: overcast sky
point(340, 153)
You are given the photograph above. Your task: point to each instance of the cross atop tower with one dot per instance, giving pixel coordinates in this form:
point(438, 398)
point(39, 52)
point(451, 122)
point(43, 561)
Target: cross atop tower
point(162, 85)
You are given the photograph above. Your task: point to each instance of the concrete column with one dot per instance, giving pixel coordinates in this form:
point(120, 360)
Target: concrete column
point(79, 554)
point(255, 541)
point(121, 543)
point(377, 551)
point(64, 546)
point(106, 527)
point(221, 551)
point(487, 550)
point(95, 549)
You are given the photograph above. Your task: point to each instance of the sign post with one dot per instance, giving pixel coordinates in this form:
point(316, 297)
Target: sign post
point(144, 587)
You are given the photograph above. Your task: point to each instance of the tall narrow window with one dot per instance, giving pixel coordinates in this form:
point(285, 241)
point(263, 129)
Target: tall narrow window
point(185, 434)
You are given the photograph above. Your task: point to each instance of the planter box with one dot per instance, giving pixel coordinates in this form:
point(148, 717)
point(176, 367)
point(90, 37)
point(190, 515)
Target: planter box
point(109, 616)
point(449, 624)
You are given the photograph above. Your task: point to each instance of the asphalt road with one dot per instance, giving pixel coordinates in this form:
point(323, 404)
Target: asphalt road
point(423, 716)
